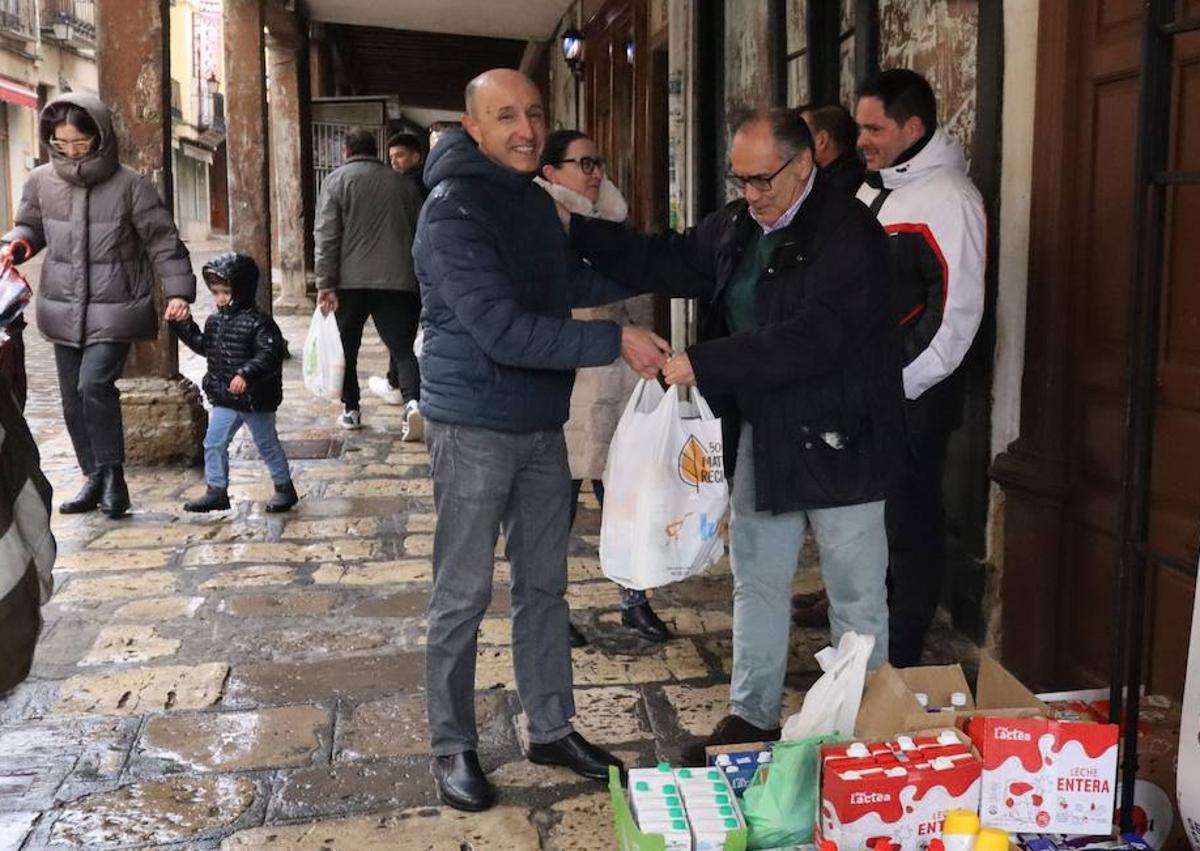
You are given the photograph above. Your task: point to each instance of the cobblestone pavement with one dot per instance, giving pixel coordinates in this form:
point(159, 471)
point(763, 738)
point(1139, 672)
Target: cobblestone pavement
point(251, 681)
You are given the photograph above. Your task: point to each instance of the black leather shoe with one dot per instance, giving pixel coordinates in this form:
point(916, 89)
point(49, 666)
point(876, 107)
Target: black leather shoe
point(114, 495)
point(575, 752)
point(642, 620)
point(461, 783)
point(214, 499)
point(730, 730)
point(577, 638)
point(283, 500)
point(88, 497)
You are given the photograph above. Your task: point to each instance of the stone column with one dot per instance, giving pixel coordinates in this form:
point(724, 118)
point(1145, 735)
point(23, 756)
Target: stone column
point(247, 136)
point(288, 175)
point(163, 415)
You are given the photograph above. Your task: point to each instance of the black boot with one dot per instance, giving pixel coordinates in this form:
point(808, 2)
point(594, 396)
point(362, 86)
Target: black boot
point(285, 497)
point(214, 499)
point(642, 620)
point(114, 495)
point(88, 497)
point(461, 783)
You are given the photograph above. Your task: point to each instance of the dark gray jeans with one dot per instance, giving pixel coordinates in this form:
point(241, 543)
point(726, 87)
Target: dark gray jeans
point(87, 380)
point(483, 479)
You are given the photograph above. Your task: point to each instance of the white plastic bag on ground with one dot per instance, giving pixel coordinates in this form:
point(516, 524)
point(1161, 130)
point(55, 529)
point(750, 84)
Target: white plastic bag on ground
point(831, 705)
point(665, 495)
point(324, 361)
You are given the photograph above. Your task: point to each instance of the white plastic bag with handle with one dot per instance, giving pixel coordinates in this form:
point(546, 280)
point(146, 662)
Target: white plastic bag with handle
point(324, 363)
point(665, 495)
point(831, 705)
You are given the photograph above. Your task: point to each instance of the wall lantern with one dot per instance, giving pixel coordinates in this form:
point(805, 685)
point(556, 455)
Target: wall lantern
point(572, 48)
point(629, 51)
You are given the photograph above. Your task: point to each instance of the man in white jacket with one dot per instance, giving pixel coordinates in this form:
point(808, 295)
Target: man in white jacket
point(917, 185)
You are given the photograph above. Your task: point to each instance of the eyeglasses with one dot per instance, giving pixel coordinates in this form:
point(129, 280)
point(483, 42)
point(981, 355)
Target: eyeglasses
point(761, 182)
point(586, 164)
point(75, 146)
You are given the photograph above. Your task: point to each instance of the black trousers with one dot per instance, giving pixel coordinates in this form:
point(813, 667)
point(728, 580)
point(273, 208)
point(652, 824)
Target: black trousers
point(916, 528)
point(87, 380)
point(396, 315)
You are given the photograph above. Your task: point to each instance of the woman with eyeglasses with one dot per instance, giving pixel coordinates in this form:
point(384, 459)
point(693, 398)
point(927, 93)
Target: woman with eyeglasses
point(106, 235)
point(572, 172)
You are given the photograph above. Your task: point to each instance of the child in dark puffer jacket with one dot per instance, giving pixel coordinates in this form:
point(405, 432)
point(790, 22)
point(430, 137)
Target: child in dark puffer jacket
point(244, 381)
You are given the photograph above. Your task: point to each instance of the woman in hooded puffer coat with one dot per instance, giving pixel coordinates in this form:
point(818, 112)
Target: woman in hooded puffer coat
point(106, 234)
point(572, 172)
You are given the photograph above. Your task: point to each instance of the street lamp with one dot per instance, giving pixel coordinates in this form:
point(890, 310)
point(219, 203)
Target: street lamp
point(572, 49)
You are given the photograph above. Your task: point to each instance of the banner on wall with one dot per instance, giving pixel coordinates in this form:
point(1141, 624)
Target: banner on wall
point(1188, 782)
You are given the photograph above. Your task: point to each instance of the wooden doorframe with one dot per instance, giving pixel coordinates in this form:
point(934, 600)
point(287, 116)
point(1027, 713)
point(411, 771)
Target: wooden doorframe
point(1032, 472)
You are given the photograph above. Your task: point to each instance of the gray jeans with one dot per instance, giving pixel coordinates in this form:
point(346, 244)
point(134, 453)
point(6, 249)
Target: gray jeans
point(764, 551)
point(87, 380)
point(483, 479)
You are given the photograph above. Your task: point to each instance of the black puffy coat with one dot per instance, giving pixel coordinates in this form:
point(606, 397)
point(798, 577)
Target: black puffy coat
point(819, 377)
point(238, 339)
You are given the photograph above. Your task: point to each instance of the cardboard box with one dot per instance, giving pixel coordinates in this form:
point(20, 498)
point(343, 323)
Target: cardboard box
point(1046, 776)
point(1155, 812)
point(630, 838)
point(907, 808)
point(889, 705)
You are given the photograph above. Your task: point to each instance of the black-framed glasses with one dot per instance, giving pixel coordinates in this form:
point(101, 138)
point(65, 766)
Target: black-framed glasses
point(761, 182)
point(586, 164)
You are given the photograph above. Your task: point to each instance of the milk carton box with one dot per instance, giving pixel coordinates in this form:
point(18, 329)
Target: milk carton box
point(897, 791)
point(1044, 776)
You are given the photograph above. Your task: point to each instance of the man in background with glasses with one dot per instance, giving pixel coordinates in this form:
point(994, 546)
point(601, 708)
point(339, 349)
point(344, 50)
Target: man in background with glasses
point(798, 354)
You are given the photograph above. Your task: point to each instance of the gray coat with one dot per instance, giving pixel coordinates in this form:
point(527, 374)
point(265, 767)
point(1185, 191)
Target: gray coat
point(366, 218)
point(106, 234)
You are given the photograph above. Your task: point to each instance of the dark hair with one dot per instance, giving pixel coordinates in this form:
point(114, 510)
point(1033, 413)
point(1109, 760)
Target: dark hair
point(555, 149)
point(361, 142)
point(835, 120)
point(69, 113)
point(904, 93)
point(405, 140)
point(791, 134)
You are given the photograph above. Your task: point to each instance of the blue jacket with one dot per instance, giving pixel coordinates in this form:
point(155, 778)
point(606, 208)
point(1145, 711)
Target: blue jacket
point(498, 281)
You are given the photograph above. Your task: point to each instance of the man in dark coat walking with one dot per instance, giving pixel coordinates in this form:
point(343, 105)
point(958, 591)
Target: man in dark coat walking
point(799, 345)
point(498, 282)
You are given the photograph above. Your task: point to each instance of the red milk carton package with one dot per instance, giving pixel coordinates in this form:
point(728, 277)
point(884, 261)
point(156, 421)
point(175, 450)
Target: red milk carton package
point(1044, 776)
point(902, 802)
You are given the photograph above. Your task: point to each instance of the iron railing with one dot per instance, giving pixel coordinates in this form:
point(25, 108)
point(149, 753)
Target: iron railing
point(69, 20)
point(18, 18)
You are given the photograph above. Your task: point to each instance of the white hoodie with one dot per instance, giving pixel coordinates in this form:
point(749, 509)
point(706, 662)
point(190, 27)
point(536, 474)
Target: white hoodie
point(932, 197)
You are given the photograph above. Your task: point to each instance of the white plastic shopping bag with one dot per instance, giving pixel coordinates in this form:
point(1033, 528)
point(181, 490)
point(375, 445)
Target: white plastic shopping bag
point(324, 360)
point(831, 705)
point(665, 495)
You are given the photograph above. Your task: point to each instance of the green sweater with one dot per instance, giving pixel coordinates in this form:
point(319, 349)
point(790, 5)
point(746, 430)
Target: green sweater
point(739, 294)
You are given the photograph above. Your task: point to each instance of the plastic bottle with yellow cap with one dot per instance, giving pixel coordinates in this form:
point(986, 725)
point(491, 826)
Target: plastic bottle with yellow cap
point(960, 829)
point(992, 839)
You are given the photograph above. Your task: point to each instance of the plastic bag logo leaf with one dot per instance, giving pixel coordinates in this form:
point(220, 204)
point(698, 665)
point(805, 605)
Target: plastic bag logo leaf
point(693, 463)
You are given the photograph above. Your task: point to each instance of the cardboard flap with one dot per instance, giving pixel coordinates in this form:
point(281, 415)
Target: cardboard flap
point(999, 689)
point(886, 703)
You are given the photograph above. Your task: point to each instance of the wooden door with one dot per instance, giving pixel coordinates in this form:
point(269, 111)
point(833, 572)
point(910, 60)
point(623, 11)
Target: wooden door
point(1098, 241)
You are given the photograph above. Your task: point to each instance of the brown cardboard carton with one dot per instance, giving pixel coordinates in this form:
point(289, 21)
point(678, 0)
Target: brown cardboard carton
point(889, 704)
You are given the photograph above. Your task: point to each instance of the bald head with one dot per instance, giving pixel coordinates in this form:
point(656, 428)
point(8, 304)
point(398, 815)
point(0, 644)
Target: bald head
point(506, 118)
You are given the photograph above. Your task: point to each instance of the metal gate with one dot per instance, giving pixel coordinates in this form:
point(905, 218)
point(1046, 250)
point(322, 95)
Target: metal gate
point(332, 119)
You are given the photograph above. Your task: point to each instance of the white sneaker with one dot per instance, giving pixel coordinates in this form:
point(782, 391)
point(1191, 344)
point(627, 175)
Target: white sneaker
point(350, 420)
point(389, 394)
point(414, 424)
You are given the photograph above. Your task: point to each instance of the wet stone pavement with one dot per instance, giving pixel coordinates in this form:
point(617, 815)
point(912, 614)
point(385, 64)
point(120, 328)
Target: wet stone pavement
point(244, 680)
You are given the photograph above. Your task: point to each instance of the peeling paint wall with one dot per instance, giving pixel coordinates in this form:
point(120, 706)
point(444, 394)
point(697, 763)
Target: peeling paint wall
point(565, 96)
point(937, 38)
point(747, 60)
